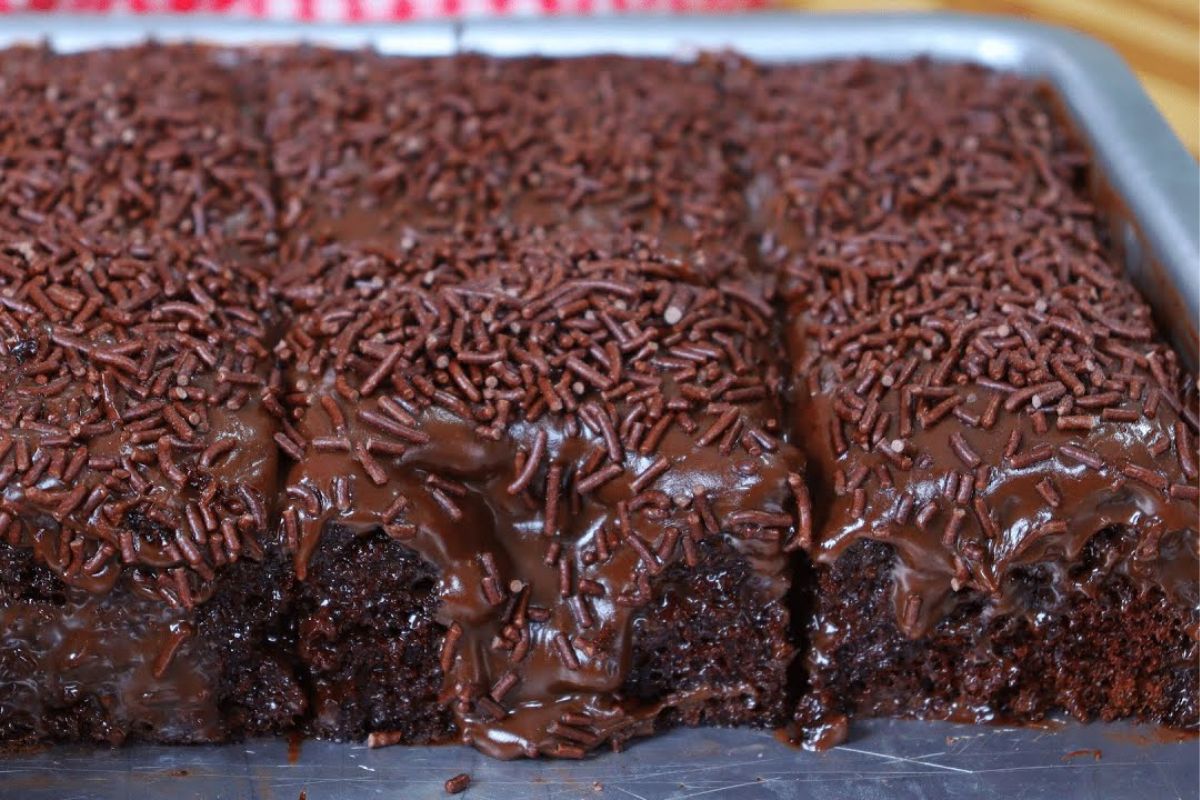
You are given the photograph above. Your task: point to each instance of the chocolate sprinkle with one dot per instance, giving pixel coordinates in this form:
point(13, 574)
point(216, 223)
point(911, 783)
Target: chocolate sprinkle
point(458, 784)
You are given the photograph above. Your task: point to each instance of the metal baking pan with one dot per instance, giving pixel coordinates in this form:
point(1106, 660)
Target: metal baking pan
point(1150, 187)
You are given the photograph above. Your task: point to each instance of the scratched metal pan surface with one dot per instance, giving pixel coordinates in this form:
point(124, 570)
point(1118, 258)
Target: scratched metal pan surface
point(1155, 216)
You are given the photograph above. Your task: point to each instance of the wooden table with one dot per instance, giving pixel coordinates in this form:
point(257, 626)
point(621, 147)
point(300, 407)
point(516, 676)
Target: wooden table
point(1159, 38)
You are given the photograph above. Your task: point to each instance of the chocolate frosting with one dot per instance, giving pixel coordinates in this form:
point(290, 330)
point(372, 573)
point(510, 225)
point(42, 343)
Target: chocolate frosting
point(634, 438)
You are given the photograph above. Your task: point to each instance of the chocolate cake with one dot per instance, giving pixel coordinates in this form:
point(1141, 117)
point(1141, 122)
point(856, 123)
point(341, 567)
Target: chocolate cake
point(544, 403)
point(582, 440)
point(140, 594)
point(1004, 448)
point(600, 144)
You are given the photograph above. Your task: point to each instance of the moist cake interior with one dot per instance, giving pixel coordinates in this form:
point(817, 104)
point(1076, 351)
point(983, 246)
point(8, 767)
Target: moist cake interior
point(540, 404)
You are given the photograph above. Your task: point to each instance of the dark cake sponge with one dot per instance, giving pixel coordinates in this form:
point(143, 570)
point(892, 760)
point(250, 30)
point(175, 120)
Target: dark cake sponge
point(369, 642)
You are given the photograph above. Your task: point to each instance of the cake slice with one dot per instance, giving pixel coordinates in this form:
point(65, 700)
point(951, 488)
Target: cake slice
point(538, 497)
point(144, 141)
point(376, 149)
point(1004, 447)
point(138, 594)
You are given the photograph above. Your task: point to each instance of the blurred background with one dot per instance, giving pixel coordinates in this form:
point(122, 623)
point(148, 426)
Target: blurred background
point(1159, 38)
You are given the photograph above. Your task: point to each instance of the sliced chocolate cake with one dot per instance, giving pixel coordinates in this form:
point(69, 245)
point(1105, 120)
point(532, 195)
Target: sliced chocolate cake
point(454, 399)
point(150, 141)
point(562, 455)
point(1004, 450)
point(136, 458)
point(377, 149)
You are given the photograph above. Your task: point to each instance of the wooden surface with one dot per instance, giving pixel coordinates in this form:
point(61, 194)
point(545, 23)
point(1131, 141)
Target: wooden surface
point(1159, 38)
